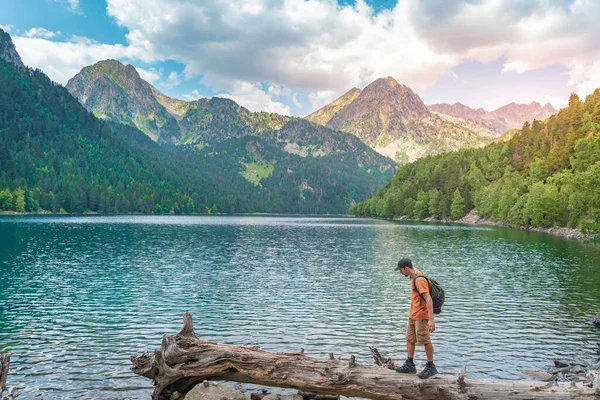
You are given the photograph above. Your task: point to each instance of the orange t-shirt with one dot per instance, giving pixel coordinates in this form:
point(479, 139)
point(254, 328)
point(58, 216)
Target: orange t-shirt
point(418, 306)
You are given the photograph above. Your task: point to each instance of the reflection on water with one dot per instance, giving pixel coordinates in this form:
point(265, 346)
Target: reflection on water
point(79, 295)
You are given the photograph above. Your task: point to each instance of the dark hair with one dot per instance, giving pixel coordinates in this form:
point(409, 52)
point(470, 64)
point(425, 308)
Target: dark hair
point(404, 262)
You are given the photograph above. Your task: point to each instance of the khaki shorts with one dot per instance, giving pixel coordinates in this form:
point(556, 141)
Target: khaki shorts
point(417, 332)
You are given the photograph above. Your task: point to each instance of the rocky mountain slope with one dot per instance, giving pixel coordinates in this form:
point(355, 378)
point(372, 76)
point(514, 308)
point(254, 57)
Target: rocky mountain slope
point(271, 151)
point(323, 115)
point(510, 116)
point(116, 92)
point(8, 52)
point(394, 121)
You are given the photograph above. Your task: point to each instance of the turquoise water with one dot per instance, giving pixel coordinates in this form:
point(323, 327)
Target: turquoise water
point(79, 295)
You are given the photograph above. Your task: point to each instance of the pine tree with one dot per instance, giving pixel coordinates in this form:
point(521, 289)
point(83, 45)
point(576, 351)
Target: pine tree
point(6, 200)
point(457, 210)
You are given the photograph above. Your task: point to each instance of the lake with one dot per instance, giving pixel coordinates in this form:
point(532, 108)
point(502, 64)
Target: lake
point(80, 294)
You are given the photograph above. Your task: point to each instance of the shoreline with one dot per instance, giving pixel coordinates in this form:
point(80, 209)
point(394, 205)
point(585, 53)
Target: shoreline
point(473, 219)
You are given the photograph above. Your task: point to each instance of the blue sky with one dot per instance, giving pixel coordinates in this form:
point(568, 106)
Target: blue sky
point(294, 56)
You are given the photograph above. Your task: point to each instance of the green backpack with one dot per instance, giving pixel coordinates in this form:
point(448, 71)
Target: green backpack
point(435, 290)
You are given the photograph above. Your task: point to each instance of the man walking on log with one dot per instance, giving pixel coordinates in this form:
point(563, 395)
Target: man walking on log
point(420, 320)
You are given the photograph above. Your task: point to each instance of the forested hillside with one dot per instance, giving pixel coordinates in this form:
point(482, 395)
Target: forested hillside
point(55, 155)
point(548, 174)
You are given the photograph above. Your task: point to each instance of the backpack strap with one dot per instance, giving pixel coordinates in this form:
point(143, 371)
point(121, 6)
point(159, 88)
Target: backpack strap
point(415, 285)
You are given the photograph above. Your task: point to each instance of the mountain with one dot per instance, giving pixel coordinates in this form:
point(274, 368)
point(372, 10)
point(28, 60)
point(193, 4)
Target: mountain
point(394, 121)
point(8, 52)
point(323, 115)
point(215, 156)
point(56, 155)
point(116, 92)
point(508, 117)
point(516, 115)
point(546, 175)
point(207, 122)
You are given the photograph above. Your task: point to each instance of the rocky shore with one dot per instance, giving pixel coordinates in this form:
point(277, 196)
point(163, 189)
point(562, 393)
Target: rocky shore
point(473, 218)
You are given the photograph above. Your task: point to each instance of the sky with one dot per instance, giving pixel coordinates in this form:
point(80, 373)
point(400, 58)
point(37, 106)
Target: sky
point(295, 56)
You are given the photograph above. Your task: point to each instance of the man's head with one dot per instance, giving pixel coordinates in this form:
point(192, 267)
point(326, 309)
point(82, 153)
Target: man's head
point(405, 266)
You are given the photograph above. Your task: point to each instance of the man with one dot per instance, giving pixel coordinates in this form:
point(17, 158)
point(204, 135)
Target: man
point(420, 320)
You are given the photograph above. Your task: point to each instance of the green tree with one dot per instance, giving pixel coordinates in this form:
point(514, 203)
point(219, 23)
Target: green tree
point(19, 196)
point(31, 204)
point(6, 200)
point(435, 203)
point(409, 207)
point(542, 206)
point(421, 208)
point(457, 210)
point(539, 170)
point(388, 207)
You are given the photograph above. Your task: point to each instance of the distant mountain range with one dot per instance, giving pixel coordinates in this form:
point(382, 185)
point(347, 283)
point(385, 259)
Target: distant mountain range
point(211, 154)
point(205, 156)
point(116, 92)
point(510, 116)
point(387, 116)
point(394, 121)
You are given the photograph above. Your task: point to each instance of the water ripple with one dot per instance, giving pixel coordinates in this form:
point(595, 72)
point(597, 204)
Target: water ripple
point(79, 295)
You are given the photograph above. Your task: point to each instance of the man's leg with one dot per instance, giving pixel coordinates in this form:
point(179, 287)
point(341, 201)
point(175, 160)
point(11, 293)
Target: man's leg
point(411, 336)
point(428, 351)
point(410, 349)
point(422, 330)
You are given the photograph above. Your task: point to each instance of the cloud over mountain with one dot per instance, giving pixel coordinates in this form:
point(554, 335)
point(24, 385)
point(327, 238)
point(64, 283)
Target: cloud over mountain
point(321, 48)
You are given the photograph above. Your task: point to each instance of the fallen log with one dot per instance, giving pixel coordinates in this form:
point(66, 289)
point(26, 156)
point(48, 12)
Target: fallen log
point(4, 365)
point(183, 360)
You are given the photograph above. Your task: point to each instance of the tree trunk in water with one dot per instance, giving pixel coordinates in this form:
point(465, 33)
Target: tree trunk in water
point(4, 365)
point(184, 360)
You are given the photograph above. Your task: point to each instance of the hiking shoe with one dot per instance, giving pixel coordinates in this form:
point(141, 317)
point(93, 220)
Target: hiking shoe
point(429, 371)
point(407, 368)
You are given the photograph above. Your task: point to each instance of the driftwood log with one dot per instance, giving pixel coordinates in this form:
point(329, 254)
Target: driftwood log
point(4, 366)
point(183, 360)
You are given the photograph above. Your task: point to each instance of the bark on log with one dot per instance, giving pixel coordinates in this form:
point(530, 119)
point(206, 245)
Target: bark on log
point(4, 364)
point(596, 320)
point(183, 360)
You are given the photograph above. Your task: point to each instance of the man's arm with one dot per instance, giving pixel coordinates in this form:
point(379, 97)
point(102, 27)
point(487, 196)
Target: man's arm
point(430, 321)
point(422, 286)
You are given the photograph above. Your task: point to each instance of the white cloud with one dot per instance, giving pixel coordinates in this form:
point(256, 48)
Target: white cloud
point(40, 33)
point(304, 45)
point(151, 75)
point(321, 98)
point(62, 60)
point(194, 95)
point(527, 35)
point(174, 79)
point(557, 102)
point(254, 98)
point(6, 28)
point(74, 4)
point(322, 48)
point(585, 77)
point(295, 100)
